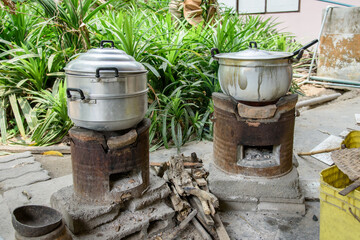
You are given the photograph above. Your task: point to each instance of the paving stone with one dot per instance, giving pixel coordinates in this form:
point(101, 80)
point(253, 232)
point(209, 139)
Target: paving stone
point(7, 231)
point(17, 163)
point(19, 171)
point(26, 179)
point(149, 221)
point(310, 188)
point(39, 193)
point(12, 157)
point(82, 217)
point(157, 190)
point(228, 186)
point(282, 207)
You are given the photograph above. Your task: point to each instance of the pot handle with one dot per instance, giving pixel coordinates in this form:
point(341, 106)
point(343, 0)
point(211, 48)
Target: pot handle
point(300, 51)
point(97, 75)
point(253, 44)
point(68, 94)
point(106, 41)
point(214, 51)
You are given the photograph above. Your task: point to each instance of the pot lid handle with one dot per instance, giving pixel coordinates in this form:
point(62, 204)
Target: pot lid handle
point(253, 44)
point(106, 41)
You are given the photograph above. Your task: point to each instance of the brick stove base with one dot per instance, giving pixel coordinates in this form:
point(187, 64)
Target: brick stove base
point(246, 193)
point(139, 218)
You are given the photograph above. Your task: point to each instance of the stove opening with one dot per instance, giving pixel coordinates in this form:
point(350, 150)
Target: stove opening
point(125, 180)
point(258, 156)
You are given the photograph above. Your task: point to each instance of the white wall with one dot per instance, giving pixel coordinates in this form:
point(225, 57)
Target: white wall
point(305, 25)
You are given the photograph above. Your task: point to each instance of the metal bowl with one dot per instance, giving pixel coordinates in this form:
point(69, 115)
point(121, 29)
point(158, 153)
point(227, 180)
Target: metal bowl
point(35, 220)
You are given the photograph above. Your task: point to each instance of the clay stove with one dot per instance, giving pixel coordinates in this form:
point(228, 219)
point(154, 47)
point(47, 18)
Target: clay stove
point(253, 155)
point(114, 196)
point(110, 166)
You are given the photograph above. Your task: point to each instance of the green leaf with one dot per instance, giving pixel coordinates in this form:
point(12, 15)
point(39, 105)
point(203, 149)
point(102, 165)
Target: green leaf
point(17, 115)
point(173, 132)
point(152, 69)
point(164, 130)
point(28, 113)
point(50, 61)
point(3, 121)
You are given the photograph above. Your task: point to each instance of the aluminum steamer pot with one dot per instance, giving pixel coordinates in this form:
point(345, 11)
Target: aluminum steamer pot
point(255, 75)
point(106, 89)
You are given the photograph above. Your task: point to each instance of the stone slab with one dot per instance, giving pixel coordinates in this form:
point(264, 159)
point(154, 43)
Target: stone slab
point(158, 189)
point(26, 179)
point(310, 188)
point(19, 171)
point(280, 207)
point(242, 193)
point(82, 217)
point(227, 186)
point(39, 193)
point(16, 163)
point(228, 205)
point(12, 157)
point(147, 222)
point(7, 231)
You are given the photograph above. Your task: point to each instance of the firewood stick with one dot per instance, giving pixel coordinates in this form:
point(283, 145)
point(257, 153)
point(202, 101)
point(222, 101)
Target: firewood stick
point(319, 151)
point(196, 204)
point(186, 164)
point(202, 195)
point(205, 206)
point(220, 229)
point(212, 210)
point(210, 229)
point(182, 225)
point(204, 234)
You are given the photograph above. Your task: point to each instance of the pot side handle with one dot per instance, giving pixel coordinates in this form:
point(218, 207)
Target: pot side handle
point(253, 44)
point(97, 75)
point(301, 50)
point(106, 41)
point(214, 51)
point(68, 94)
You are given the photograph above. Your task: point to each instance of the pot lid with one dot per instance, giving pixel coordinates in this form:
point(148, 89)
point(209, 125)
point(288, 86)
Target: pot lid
point(105, 59)
point(253, 53)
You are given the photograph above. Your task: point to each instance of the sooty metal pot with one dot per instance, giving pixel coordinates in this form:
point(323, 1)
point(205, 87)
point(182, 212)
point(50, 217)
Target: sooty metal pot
point(256, 75)
point(106, 89)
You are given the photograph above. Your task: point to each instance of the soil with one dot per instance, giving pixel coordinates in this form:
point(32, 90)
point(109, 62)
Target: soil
point(55, 165)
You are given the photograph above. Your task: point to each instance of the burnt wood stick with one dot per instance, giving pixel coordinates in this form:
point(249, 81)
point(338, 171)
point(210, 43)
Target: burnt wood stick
point(212, 210)
point(220, 229)
point(204, 234)
point(203, 195)
point(182, 225)
point(186, 164)
point(210, 229)
point(196, 204)
point(350, 188)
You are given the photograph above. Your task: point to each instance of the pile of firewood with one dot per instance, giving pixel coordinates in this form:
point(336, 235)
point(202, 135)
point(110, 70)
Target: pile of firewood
point(190, 196)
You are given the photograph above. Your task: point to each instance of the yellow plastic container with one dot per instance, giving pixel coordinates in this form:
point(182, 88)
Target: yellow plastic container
point(339, 215)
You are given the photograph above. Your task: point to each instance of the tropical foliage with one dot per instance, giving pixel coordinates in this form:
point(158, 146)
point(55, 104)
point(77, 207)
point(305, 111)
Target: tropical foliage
point(42, 36)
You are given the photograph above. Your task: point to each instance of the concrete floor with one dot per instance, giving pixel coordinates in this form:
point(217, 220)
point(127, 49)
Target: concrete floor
point(312, 127)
